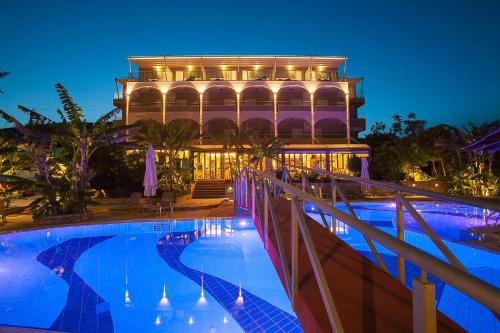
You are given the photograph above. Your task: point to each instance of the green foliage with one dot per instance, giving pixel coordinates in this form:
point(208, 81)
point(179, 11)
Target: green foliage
point(354, 165)
point(410, 151)
point(471, 183)
point(172, 140)
point(61, 153)
point(266, 151)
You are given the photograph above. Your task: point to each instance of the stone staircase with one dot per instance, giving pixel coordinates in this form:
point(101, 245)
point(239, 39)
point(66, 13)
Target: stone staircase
point(209, 188)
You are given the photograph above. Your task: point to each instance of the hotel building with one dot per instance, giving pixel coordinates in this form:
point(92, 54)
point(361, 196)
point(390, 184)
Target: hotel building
point(308, 102)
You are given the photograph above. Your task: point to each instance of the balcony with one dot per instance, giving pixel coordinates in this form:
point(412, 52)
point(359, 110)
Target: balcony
point(219, 106)
point(214, 74)
point(183, 106)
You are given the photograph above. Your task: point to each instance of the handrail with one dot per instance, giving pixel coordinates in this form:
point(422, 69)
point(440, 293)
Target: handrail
point(476, 202)
point(470, 285)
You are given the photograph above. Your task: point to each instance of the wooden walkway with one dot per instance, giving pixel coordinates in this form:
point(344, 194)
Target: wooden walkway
point(367, 298)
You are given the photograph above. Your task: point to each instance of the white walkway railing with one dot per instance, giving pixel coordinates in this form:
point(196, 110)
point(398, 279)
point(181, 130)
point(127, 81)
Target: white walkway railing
point(257, 191)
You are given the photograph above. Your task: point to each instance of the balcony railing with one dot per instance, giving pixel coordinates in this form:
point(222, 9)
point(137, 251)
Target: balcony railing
point(230, 75)
point(216, 75)
point(258, 75)
point(219, 106)
point(193, 106)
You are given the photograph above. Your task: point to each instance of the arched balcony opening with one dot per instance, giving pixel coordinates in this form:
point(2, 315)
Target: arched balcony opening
point(294, 130)
point(262, 129)
point(294, 98)
point(145, 103)
point(219, 98)
point(217, 127)
point(187, 123)
point(330, 130)
point(257, 98)
point(329, 99)
point(183, 99)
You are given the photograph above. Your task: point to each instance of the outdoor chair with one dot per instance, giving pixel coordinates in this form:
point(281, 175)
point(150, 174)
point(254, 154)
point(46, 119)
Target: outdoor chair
point(6, 210)
point(167, 202)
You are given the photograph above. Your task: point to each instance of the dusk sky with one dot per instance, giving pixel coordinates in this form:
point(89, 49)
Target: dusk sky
point(438, 59)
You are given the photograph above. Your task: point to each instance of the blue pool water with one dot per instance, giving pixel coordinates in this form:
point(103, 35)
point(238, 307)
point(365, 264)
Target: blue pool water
point(181, 276)
point(449, 221)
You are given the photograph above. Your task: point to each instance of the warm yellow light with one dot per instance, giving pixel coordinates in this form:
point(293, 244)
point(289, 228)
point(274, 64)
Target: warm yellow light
point(320, 68)
point(223, 67)
point(290, 67)
point(256, 67)
point(190, 67)
point(158, 68)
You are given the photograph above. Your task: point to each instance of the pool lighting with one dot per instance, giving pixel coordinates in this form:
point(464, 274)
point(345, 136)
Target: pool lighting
point(128, 301)
point(202, 300)
point(164, 301)
point(158, 320)
point(393, 204)
point(190, 321)
point(239, 300)
point(243, 223)
point(225, 321)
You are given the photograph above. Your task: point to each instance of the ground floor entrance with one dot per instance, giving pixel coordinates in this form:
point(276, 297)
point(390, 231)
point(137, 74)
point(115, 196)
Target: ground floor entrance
point(220, 165)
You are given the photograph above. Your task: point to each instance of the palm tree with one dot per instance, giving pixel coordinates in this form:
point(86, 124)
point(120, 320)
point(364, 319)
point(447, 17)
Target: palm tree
point(265, 151)
point(171, 138)
point(235, 140)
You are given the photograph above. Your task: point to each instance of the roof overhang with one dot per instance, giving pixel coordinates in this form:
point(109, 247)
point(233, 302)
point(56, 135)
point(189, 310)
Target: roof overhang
point(237, 61)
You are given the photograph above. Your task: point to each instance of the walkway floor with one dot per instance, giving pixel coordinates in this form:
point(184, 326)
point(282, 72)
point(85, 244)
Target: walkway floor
point(367, 298)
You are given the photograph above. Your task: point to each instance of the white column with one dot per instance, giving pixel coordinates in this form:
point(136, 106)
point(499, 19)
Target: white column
point(313, 133)
point(238, 109)
point(201, 118)
point(275, 104)
point(127, 106)
point(164, 109)
point(348, 119)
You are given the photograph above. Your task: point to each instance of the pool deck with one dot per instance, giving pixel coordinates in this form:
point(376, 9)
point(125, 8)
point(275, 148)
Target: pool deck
point(186, 208)
point(367, 298)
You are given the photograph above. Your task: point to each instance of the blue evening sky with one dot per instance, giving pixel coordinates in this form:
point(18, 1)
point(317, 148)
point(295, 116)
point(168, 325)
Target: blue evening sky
point(439, 59)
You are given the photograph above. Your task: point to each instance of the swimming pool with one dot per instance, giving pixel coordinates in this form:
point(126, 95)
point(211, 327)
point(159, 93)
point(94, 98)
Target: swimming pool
point(449, 221)
point(180, 276)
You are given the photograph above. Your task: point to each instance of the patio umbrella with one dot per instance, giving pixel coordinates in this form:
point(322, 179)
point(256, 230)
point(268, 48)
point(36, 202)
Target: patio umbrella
point(364, 173)
point(150, 181)
point(364, 168)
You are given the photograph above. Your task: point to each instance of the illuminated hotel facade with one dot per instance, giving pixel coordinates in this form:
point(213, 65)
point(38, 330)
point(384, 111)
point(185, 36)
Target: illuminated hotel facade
point(308, 102)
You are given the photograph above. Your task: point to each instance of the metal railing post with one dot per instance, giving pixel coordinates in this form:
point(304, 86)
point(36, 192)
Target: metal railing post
point(253, 203)
point(266, 218)
point(295, 256)
point(400, 233)
point(424, 309)
point(334, 205)
point(430, 233)
point(319, 274)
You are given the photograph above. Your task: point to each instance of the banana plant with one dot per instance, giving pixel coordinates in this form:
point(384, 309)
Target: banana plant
point(86, 137)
